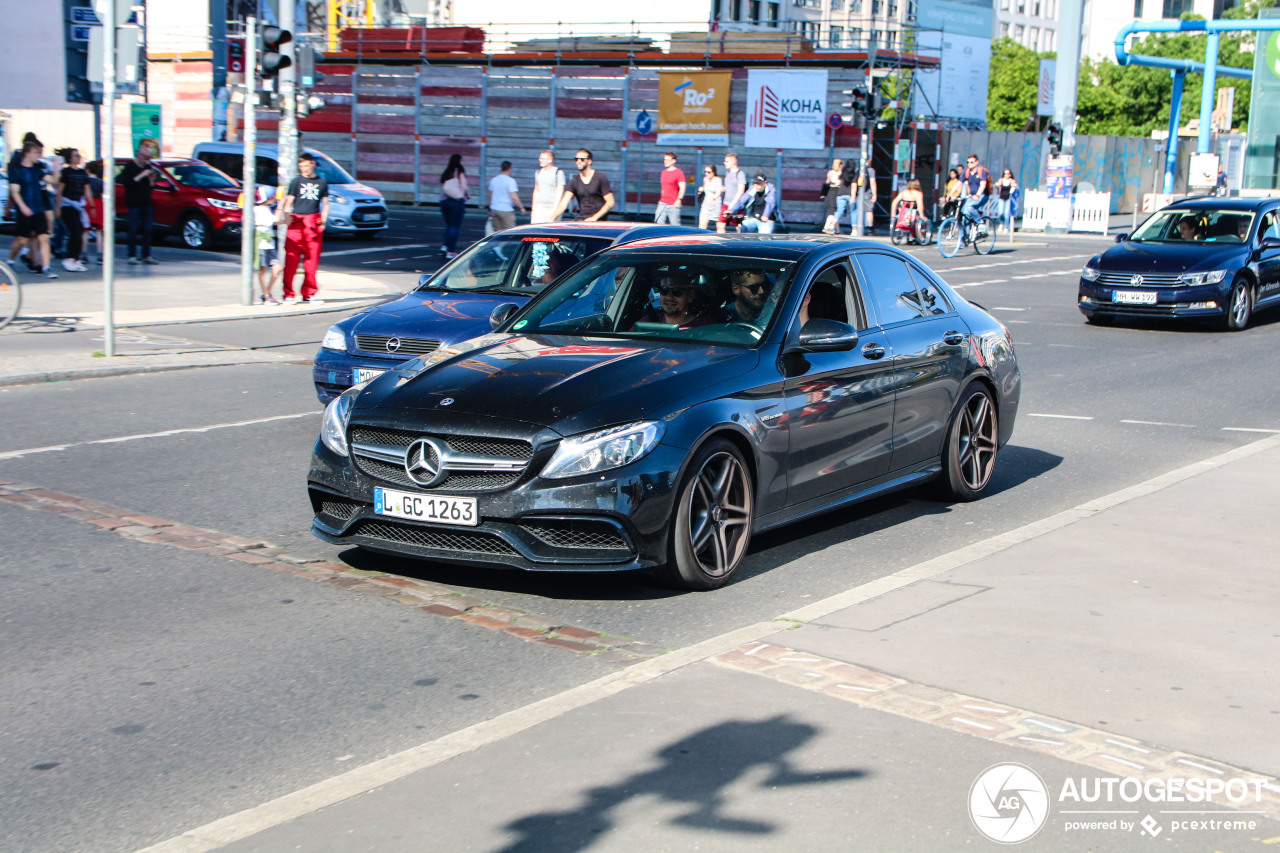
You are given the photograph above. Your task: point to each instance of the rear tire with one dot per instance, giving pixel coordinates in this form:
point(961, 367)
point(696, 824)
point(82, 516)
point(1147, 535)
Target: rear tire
point(1239, 305)
point(711, 528)
point(973, 442)
point(949, 237)
point(10, 295)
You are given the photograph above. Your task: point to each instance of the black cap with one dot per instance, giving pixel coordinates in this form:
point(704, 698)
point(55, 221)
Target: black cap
point(760, 178)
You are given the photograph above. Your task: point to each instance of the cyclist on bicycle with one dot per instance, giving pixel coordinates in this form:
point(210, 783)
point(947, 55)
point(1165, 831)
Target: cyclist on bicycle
point(976, 186)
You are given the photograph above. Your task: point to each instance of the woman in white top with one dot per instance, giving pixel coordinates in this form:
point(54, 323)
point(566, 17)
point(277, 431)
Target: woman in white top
point(712, 194)
point(548, 187)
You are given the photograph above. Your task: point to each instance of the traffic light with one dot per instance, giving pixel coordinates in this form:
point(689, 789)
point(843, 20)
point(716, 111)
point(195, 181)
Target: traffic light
point(273, 38)
point(858, 102)
point(307, 74)
point(1054, 132)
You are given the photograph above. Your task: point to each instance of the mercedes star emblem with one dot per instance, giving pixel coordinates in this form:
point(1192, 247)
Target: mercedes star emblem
point(422, 462)
point(1136, 281)
point(393, 344)
point(447, 401)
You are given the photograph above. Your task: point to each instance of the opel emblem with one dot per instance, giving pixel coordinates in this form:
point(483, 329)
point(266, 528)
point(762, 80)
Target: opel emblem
point(1136, 281)
point(393, 344)
point(422, 462)
point(447, 401)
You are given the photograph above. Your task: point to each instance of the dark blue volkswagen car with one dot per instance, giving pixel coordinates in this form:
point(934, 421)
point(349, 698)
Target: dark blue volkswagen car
point(1200, 258)
point(454, 304)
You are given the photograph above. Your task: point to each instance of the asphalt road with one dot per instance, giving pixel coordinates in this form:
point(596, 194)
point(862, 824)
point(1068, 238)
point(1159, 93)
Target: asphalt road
point(147, 689)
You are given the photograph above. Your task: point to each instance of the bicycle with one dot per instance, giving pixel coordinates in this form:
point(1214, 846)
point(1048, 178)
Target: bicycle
point(10, 295)
point(957, 231)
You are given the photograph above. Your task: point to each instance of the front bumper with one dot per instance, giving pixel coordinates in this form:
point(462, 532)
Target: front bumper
point(1094, 298)
point(350, 218)
point(612, 522)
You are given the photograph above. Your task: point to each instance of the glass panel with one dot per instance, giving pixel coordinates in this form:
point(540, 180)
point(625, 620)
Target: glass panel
point(514, 263)
point(890, 286)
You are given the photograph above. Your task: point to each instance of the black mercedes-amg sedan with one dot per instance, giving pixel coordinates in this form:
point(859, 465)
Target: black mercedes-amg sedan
point(660, 404)
point(1208, 258)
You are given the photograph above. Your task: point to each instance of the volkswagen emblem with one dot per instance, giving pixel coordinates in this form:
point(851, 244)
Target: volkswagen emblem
point(422, 462)
point(447, 401)
point(1136, 281)
point(393, 344)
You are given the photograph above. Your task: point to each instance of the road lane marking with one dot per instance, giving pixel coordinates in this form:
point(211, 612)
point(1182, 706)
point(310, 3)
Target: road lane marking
point(360, 780)
point(1012, 263)
point(376, 249)
point(1250, 429)
point(1157, 423)
point(31, 451)
point(1062, 417)
point(1007, 308)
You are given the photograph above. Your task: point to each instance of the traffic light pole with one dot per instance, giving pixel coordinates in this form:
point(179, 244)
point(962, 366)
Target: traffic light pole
point(248, 191)
point(287, 138)
point(108, 247)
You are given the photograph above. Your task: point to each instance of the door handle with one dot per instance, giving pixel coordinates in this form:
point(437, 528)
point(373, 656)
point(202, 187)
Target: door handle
point(953, 339)
point(873, 351)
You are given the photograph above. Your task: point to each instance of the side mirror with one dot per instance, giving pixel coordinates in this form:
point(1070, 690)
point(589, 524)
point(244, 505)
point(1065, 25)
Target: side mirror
point(826, 336)
point(425, 278)
point(166, 186)
point(502, 314)
point(1120, 238)
point(1271, 242)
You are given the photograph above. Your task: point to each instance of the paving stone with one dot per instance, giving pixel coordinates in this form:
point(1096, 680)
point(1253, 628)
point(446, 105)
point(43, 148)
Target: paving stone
point(496, 613)
point(857, 675)
point(538, 623)
point(17, 499)
point(740, 660)
point(249, 558)
point(575, 633)
point(523, 633)
point(109, 523)
point(392, 581)
point(564, 644)
point(484, 621)
point(135, 530)
point(441, 610)
point(337, 580)
point(465, 602)
point(926, 693)
point(148, 521)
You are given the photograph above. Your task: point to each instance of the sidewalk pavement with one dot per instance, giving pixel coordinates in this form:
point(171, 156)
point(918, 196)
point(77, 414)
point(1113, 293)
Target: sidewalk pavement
point(36, 347)
point(1134, 637)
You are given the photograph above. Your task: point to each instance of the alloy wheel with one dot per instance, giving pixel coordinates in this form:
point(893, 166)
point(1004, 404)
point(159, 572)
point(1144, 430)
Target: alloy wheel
point(195, 233)
point(976, 453)
point(1240, 307)
point(719, 514)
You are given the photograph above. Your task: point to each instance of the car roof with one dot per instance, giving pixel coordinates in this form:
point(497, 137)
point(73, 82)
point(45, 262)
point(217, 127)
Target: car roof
point(777, 247)
point(617, 232)
point(1215, 203)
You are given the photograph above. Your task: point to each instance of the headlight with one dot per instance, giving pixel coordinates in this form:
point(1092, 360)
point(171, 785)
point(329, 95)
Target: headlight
point(335, 198)
point(1090, 273)
point(334, 339)
point(223, 203)
point(333, 428)
point(1203, 277)
point(604, 450)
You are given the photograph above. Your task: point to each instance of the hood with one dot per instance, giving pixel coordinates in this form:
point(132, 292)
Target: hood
point(357, 189)
point(570, 383)
point(435, 314)
point(1170, 257)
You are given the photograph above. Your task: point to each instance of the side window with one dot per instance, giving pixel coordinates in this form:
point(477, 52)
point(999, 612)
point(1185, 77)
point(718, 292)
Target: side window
point(888, 284)
point(1270, 226)
point(934, 299)
point(828, 295)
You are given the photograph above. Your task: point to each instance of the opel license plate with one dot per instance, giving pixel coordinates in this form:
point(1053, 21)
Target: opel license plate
point(360, 374)
point(1134, 297)
point(437, 509)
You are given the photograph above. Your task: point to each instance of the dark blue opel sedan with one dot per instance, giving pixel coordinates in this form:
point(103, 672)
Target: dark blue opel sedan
point(666, 400)
point(1200, 258)
point(454, 303)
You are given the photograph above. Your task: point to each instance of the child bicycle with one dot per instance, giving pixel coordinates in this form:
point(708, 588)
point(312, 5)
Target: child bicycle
point(959, 230)
point(10, 295)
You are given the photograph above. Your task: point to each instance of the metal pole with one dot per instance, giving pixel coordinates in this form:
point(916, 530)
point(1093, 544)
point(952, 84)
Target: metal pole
point(109, 180)
point(417, 128)
point(287, 137)
point(1208, 92)
point(484, 131)
point(1175, 119)
point(250, 159)
point(626, 117)
point(355, 100)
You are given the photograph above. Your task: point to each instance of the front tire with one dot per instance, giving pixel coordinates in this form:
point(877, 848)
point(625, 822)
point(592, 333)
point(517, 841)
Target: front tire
point(949, 237)
point(969, 456)
point(195, 232)
point(711, 528)
point(1239, 305)
point(984, 235)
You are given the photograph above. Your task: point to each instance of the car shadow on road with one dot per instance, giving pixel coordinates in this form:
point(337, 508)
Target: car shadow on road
point(695, 774)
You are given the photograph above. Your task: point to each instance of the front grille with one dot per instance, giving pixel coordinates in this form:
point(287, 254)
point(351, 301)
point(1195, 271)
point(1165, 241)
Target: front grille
point(593, 535)
point(461, 482)
point(338, 508)
point(440, 540)
point(384, 437)
point(408, 346)
point(507, 448)
point(1123, 279)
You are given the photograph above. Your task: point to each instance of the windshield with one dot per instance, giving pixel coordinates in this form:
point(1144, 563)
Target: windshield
point(201, 177)
point(331, 171)
point(667, 296)
point(1196, 226)
point(515, 263)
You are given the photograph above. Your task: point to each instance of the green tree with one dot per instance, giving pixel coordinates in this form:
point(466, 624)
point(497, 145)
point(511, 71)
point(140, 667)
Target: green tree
point(1012, 84)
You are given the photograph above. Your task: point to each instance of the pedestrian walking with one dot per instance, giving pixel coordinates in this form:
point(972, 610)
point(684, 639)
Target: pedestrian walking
point(672, 180)
point(453, 203)
point(590, 189)
point(834, 189)
point(75, 191)
point(975, 185)
point(1006, 187)
point(504, 198)
point(735, 184)
point(266, 257)
point(306, 203)
point(712, 193)
point(758, 206)
point(548, 187)
point(139, 178)
point(27, 181)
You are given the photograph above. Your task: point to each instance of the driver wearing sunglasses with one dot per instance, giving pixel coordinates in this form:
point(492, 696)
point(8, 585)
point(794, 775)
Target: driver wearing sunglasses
point(677, 304)
point(750, 290)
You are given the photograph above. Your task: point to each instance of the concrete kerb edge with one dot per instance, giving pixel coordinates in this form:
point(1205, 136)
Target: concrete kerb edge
point(327, 309)
point(336, 789)
point(105, 372)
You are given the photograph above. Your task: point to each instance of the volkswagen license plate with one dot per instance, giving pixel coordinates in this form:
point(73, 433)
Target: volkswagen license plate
point(438, 509)
point(1134, 297)
point(360, 374)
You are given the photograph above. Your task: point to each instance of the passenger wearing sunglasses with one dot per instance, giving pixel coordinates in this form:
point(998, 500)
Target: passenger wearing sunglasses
point(590, 188)
point(750, 290)
point(677, 305)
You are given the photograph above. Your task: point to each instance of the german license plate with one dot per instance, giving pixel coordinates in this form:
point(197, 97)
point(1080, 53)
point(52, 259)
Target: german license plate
point(437, 509)
point(360, 374)
point(1134, 297)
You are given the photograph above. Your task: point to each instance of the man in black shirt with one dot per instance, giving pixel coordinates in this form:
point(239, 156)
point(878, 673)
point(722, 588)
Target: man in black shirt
point(307, 206)
point(26, 189)
point(590, 188)
point(139, 178)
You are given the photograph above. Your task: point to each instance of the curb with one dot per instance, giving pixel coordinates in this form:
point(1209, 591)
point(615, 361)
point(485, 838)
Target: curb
point(103, 372)
point(327, 309)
